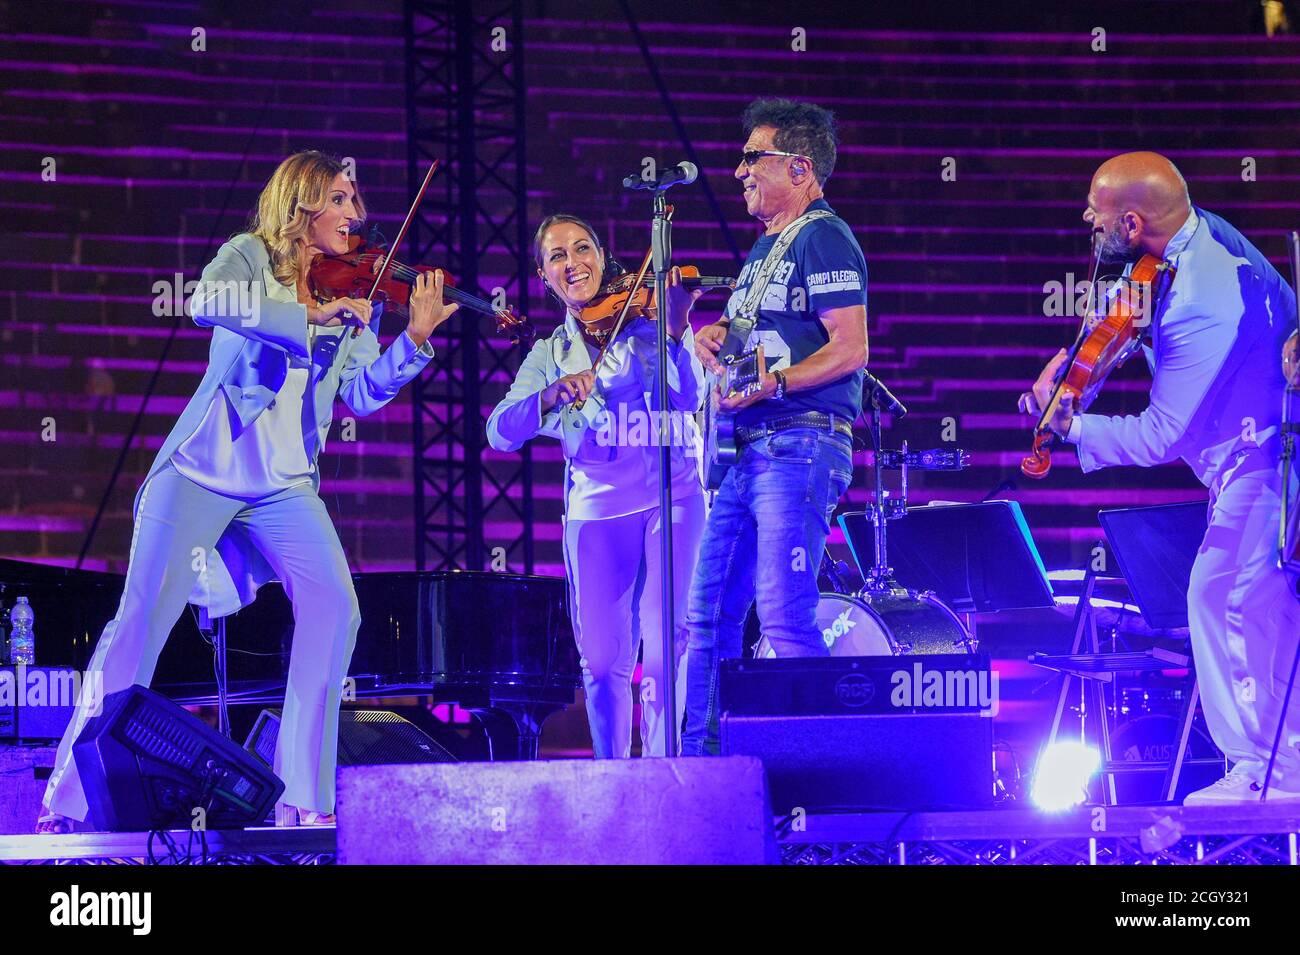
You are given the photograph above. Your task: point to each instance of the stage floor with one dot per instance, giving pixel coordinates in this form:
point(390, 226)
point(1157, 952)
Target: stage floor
point(1090, 835)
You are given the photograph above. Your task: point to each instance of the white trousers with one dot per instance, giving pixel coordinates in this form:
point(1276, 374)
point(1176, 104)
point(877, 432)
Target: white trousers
point(614, 570)
point(177, 524)
point(1245, 621)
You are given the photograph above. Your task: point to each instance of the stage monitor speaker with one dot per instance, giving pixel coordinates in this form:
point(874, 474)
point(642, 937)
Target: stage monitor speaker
point(366, 738)
point(566, 812)
point(147, 763)
point(864, 733)
point(37, 703)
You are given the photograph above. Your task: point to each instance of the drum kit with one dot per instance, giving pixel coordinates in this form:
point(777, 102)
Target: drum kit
point(883, 618)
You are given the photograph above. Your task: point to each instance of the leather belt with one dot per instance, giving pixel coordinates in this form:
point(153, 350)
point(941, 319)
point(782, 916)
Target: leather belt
point(809, 419)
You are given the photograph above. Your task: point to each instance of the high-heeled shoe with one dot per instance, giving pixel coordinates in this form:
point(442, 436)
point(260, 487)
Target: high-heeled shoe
point(52, 824)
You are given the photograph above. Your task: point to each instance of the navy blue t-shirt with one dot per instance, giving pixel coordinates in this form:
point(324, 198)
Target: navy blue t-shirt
point(823, 269)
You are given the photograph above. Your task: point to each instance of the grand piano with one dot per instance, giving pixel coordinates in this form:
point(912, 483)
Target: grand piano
point(499, 645)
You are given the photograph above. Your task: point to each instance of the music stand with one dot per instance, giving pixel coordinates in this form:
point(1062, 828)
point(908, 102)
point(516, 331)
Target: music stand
point(1155, 548)
point(976, 558)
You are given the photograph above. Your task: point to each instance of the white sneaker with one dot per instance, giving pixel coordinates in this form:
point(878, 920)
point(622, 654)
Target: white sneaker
point(1232, 789)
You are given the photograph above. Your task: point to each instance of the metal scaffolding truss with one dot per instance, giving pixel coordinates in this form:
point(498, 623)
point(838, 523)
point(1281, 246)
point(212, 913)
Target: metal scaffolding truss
point(466, 107)
point(1133, 835)
point(1273, 849)
point(309, 845)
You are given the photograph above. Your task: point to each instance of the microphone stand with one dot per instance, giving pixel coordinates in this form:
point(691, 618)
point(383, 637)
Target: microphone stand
point(1289, 429)
point(661, 253)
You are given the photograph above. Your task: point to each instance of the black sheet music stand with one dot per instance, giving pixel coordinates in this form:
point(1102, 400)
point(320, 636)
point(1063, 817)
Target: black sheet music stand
point(1154, 548)
point(976, 558)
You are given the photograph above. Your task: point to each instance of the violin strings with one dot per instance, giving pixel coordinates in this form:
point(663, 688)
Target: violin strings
point(407, 274)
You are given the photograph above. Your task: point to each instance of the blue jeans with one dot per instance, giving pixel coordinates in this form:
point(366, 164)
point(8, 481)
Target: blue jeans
point(764, 540)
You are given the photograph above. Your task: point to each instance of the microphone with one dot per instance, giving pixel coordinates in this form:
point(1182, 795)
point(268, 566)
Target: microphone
point(683, 174)
point(882, 397)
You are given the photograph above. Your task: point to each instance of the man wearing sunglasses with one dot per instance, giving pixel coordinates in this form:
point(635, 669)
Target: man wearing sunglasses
point(769, 521)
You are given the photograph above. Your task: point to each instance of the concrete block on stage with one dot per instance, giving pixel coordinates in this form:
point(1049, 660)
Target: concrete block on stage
point(703, 811)
point(24, 771)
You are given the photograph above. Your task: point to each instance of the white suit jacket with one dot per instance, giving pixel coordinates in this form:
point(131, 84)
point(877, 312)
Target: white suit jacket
point(518, 417)
point(1216, 350)
point(253, 332)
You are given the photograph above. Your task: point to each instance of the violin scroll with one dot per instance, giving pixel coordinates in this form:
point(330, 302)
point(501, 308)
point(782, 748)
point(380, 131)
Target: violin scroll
point(1039, 461)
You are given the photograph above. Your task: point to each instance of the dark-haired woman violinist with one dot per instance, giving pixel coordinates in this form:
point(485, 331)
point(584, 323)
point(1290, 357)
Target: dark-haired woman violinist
point(612, 520)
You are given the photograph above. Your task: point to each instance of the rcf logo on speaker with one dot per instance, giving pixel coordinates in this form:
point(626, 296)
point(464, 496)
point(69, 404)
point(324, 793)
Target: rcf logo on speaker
point(74, 907)
point(854, 689)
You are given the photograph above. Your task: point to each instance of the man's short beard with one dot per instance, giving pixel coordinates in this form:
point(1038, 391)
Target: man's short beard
point(1115, 251)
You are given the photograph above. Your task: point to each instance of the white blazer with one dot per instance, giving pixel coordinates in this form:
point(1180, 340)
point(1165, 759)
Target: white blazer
point(589, 438)
point(1217, 381)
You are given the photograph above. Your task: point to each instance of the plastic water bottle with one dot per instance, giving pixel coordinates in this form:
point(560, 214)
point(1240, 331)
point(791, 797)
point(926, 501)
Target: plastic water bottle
point(22, 640)
point(4, 629)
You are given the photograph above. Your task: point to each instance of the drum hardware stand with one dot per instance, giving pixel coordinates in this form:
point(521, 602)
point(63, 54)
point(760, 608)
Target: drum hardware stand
point(835, 572)
point(879, 579)
point(883, 509)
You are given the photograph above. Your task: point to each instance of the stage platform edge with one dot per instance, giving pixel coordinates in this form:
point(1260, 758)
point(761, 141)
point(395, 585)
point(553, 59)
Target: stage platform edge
point(1088, 835)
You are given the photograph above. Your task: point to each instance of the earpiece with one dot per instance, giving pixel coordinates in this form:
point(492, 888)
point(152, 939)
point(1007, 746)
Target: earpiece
point(547, 285)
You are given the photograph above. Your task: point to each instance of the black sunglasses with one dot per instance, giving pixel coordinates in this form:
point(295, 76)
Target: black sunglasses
point(751, 156)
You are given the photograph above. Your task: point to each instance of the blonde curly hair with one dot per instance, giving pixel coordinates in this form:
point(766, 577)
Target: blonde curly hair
point(295, 193)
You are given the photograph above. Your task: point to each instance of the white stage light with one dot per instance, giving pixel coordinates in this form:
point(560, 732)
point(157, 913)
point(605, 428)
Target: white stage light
point(1062, 774)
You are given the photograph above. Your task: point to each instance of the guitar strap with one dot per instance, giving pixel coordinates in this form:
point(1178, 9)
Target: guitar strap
point(746, 317)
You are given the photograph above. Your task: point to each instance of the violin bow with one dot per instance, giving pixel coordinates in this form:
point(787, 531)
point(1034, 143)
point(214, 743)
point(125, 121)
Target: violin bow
point(618, 323)
point(401, 234)
point(1089, 311)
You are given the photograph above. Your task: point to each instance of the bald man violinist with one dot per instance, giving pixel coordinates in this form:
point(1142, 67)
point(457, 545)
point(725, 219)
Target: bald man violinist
point(1216, 402)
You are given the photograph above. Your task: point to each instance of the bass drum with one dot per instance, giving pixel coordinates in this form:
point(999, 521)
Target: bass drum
point(877, 625)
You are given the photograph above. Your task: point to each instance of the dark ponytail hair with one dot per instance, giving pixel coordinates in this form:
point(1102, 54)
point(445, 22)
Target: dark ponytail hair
point(612, 267)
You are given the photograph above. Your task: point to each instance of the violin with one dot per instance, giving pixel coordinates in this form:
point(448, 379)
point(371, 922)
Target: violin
point(631, 296)
point(1103, 344)
point(634, 293)
point(352, 274)
point(368, 271)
